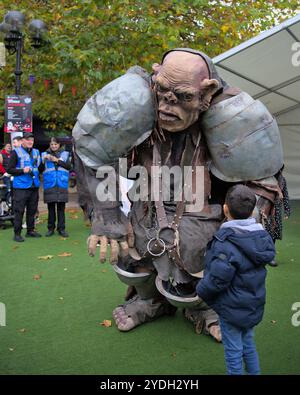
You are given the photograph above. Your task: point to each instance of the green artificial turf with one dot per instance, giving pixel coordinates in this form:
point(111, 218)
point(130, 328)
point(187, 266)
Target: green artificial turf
point(53, 323)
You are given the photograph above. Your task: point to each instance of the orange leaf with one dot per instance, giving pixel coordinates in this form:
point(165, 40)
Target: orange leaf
point(37, 276)
point(63, 254)
point(106, 323)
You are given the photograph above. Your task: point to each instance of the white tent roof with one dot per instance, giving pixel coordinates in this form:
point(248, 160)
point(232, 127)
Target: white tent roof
point(263, 67)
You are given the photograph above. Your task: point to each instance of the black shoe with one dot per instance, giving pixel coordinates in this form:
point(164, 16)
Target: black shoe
point(63, 233)
point(273, 263)
point(33, 234)
point(18, 238)
point(49, 233)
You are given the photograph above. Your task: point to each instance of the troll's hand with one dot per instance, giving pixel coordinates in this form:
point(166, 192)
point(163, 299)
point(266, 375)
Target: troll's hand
point(116, 248)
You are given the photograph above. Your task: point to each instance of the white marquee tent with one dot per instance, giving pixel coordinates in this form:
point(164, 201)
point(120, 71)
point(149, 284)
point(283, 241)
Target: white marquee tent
point(263, 67)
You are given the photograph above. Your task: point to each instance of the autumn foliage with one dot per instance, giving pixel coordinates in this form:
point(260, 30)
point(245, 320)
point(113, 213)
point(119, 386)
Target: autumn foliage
point(91, 42)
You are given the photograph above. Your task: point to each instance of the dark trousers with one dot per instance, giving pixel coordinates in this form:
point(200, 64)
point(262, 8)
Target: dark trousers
point(25, 198)
point(7, 183)
point(58, 207)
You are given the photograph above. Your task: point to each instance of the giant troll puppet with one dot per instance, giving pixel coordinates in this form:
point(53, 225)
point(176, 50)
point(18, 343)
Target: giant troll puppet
point(183, 116)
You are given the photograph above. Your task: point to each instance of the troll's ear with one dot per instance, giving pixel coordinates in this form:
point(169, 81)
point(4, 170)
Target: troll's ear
point(208, 88)
point(155, 68)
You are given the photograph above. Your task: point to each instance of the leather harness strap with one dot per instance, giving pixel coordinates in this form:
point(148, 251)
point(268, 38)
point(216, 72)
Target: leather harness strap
point(162, 219)
point(269, 192)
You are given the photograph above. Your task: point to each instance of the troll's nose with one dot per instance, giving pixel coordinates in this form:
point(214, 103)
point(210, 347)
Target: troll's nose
point(170, 97)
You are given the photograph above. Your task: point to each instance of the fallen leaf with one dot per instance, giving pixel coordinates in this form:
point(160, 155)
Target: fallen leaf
point(72, 211)
point(104, 270)
point(62, 238)
point(22, 330)
point(75, 242)
point(37, 276)
point(65, 254)
point(273, 322)
point(106, 323)
point(61, 298)
point(45, 257)
point(173, 355)
point(73, 216)
point(15, 247)
point(65, 269)
point(11, 349)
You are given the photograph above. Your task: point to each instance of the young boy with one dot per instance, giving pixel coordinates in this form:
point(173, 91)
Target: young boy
point(234, 278)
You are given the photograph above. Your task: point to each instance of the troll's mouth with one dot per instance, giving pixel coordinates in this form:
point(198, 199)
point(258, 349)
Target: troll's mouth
point(168, 116)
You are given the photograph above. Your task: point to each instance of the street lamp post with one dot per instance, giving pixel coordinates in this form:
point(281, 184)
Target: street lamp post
point(11, 27)
point(13, 38)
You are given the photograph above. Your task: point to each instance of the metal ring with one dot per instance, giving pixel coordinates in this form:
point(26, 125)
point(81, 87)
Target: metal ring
point(163, 246)
point(170, 228)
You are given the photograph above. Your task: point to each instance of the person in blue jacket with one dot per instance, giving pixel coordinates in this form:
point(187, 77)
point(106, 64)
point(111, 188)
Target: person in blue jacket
point(234, 278)
point(24, 165)
point(56, 164)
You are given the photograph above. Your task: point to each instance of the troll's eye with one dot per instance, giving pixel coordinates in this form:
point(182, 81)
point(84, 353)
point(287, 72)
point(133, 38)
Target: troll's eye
point(160, 88)
point(184, 96)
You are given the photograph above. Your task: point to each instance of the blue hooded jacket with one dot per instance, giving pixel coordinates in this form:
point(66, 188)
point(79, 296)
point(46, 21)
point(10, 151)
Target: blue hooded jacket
point(234, 275)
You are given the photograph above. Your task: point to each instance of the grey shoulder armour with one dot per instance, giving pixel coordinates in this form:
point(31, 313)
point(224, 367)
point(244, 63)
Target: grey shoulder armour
point(243, 139)
point(115, 119)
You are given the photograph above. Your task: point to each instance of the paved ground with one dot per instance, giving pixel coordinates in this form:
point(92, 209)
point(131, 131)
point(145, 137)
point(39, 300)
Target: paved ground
point(71, 204)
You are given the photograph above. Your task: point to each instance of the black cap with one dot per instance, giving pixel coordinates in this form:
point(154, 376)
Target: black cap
point(27, 135)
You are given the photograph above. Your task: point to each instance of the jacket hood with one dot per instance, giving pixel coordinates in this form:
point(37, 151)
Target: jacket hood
point(256, 245)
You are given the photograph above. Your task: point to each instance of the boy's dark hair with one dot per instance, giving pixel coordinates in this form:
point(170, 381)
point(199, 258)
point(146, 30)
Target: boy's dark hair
point(18, 138)
point(241, 201)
